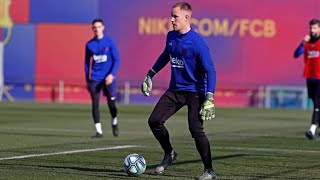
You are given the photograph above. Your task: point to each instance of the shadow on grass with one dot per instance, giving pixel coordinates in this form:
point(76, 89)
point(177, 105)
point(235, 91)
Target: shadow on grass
point(99, 172)
point(199, 160)
point(120, 174)
point(114, 173)
point(102, 170)
point(281, 174)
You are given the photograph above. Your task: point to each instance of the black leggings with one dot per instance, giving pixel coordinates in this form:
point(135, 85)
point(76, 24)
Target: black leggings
point(95, 88)
point(95, 107)
point(314, 94)
point(169, 103)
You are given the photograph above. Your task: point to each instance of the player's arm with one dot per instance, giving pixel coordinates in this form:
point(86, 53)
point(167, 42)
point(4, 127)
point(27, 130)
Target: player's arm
point(208, 109)
point(115, 58)
point(115, 63)
point(161, 62)
point(87, 63)
point(300, 49)
point(208, 66)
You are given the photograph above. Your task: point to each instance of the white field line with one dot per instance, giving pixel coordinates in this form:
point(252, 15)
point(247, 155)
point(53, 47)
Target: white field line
point(133, 146)
point(40, 129)
point(68, 152)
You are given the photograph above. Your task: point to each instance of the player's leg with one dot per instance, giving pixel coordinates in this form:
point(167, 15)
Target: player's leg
point(194, 102)
point(167, 105)
point(312, 91)
point(94, 88)
point(110, 91)
point(317, 103)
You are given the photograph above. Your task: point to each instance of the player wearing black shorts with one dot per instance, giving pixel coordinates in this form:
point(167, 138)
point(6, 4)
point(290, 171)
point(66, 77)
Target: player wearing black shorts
point(193, 80)
point(101, 64)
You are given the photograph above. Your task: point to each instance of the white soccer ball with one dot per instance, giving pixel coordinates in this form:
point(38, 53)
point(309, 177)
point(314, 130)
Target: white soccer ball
point(134, 164)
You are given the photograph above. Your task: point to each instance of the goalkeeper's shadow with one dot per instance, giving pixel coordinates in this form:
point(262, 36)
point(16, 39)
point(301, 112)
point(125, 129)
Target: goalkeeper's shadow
point(199, 160)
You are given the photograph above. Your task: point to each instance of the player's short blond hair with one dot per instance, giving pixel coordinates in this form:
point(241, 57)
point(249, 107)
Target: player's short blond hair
point(183, 6)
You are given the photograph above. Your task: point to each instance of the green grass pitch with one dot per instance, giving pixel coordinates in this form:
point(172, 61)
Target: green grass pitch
point(245, 143)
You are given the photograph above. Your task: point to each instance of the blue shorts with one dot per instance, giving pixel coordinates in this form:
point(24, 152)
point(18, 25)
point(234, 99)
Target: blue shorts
point(110, 91)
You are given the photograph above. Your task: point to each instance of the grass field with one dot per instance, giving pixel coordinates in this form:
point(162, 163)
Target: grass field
point(246, 143)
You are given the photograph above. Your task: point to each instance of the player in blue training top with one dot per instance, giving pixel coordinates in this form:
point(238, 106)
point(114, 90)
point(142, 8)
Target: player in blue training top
point(193, 79)
point(101, 64)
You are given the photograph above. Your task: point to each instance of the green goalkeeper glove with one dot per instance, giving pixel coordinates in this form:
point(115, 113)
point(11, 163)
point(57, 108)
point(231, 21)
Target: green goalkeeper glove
point(146, 86)
point(207, 111)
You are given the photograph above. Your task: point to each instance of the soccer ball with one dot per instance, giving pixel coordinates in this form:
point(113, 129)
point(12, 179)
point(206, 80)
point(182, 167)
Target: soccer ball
point(134, 164)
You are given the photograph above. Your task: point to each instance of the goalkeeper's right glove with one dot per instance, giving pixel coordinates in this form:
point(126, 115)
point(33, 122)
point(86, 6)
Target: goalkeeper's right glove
point(207, 109)
point(146, 86)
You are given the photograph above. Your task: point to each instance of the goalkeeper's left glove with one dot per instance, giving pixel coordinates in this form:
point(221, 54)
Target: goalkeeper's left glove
point(146, 86)
point(207, 111)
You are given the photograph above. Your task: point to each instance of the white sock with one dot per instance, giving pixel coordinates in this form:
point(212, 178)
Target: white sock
point(98, 128)
point(114, 121)
point(313, 128)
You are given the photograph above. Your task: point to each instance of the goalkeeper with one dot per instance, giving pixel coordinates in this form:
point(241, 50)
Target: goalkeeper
point(193, 80)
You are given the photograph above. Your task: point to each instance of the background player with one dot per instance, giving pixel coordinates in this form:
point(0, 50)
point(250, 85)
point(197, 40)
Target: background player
point(193, 80)
point(101, 64)
point(310, 47)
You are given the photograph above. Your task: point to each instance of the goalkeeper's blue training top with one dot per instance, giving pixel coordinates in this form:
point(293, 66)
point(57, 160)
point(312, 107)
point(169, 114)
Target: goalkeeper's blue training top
point(192, 67)
point(105, 59)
